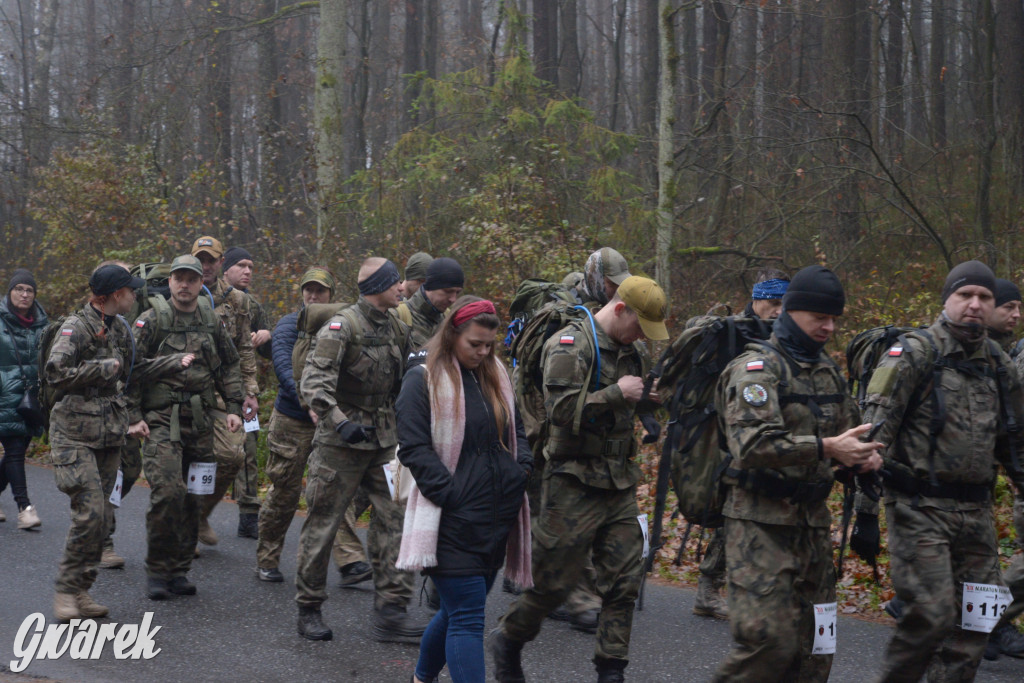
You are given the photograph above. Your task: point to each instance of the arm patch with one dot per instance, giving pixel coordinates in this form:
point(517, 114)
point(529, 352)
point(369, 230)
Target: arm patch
point(327, 348)
point(883, 380)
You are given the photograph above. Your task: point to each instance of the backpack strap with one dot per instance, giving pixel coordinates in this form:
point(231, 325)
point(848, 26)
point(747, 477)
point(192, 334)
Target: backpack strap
point(577, 419)
point(404, 313)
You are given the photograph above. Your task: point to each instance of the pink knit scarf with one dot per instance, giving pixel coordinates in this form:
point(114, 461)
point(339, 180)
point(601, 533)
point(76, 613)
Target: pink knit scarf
point(423, 518)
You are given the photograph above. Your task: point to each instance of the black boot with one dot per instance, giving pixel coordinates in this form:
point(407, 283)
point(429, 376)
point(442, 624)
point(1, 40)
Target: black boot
point(311, 624)
point(1005, 639)
point(179, 585)
point(392, 624)
point(507, 655)
point(248, 525)
point(895, 608)
point(157, 589)
point(610, 670)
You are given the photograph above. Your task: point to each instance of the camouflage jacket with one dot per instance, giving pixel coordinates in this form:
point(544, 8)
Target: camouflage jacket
point(974, 437)
point(601, 453)
point(93, 410)
point(425, 318)
point(235, 309)
point(346, 380)
point(215, 366)
point(259, 321)
point(765, 430)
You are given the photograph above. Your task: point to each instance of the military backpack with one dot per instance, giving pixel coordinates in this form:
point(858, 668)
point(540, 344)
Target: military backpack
point(532, 295)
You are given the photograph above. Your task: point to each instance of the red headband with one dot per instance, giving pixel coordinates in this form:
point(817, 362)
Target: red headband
point(470, 311)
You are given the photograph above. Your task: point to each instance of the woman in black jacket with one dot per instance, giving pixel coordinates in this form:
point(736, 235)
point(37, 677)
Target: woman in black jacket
point(463, 442)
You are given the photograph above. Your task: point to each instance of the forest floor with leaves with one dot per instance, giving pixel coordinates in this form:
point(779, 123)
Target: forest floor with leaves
point(858, 593)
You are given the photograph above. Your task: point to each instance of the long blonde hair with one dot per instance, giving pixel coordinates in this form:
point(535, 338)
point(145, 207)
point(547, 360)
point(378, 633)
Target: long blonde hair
point(441, 359)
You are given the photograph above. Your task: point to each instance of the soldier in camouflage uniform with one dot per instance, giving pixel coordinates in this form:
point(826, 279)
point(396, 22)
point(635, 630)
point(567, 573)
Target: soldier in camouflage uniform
point(290, 436)
point(238, 269)
point(88, 365)
point(235, 309)
point(588, 504)
point(415, 273)
point(938, 482)
point(766, 304)
point(351, 380)
point(179, 411)
point(787, 418)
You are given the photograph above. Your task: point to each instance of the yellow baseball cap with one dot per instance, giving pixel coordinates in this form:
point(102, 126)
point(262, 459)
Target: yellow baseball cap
point(211, 245)
point(646, 298)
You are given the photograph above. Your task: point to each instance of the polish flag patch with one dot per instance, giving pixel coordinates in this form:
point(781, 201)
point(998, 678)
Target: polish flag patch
point(567, 339)
point(67, 332)
point(755, 365)
point(140, 323)
point(335, 326)
point(896, 351)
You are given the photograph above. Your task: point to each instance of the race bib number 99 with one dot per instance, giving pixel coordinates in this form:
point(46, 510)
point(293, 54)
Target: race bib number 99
point(825, 628)
point(983, 605)
point(201, 477)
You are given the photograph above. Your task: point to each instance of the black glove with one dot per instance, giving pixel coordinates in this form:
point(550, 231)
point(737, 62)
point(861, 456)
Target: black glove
point(652, 426)
point(352, 432)
point(866, 540)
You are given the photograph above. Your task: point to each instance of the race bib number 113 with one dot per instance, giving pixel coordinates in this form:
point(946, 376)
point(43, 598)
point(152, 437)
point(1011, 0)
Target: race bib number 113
point(825, 628)
point(983, 605)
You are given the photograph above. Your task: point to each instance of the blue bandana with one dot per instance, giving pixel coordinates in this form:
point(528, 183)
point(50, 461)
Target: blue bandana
point(381, 279)
point(770, 289)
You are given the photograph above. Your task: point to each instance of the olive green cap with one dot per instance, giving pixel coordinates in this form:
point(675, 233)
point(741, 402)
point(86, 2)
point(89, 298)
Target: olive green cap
point(319, 275)
point(187, 262)
point(416, 266)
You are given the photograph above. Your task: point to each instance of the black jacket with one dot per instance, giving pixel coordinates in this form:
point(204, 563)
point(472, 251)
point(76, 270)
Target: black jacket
point(481, 501)
point(282, 340)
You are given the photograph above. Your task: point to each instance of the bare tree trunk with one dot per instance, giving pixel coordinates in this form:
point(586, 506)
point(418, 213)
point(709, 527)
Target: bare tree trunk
point(328, 115)
point(918, 96)
point(649, 86)
point(379, 75)
point(569, 64)
point(668, 61)
point(91, 54)
point(1010, 91)
point(691, 67)
point(48, 10)
point(984, 36)
point(619, 56)
point(724, 144)
point(894, 100)
point(358, 93)
point(937, 74)
point(268, 117)
point(847, 97)
point(412, 60)
point(545, 40)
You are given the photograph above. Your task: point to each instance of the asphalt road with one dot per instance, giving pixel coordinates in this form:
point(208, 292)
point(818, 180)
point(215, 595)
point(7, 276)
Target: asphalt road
point(240, 629)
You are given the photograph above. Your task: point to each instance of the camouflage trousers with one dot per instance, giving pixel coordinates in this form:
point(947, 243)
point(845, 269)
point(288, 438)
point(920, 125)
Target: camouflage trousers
point(87, 476)
point(229, 453)
point(713, 565)
point(289, 442)
point(575, 521)
point(245, 489)
point(172, 520)
point(933, 552)
point(334, 476)
point(583, 596)
point(131, 468)
point(776, 573)
point(1014, 574)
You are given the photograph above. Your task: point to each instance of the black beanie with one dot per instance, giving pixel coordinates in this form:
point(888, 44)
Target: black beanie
point(233, 255)
point(815, 289)
point(22, 277)
point(969, 273)
point(1006, 292)
point(443, 273)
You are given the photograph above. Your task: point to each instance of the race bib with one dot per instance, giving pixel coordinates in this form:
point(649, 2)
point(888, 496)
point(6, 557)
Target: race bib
point(201, 476)
point(252, 425)
point(115, 495)
point(825, 628)
point(983, 606)
point(390, 476)
point(647, 536)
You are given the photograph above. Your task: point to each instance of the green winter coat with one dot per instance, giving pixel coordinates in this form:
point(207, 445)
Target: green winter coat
point(14, 337)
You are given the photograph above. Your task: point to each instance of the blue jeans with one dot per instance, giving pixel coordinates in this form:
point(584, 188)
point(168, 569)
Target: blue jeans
point(456, 633)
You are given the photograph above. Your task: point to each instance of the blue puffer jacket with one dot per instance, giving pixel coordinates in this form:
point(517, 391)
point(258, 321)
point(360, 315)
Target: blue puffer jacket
point(12, 384)
point(282, 341)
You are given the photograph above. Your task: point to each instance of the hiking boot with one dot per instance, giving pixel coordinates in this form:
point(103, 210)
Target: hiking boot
point(207, 536)
point(65, 607)
point(248, 525)
point(585, 621)
point(89, 608)
point(560, 613)
point(1006, 640)
point(507, 656)
point(610, 670)
point(179, 585)
point(895, 608)
point(392, 624)
point(157, 589)
point(709, 602)
point(510, 587)
point(271, 575)
point(28, 519)
point(311, 624)
point(355, 572)
point(111, 560)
